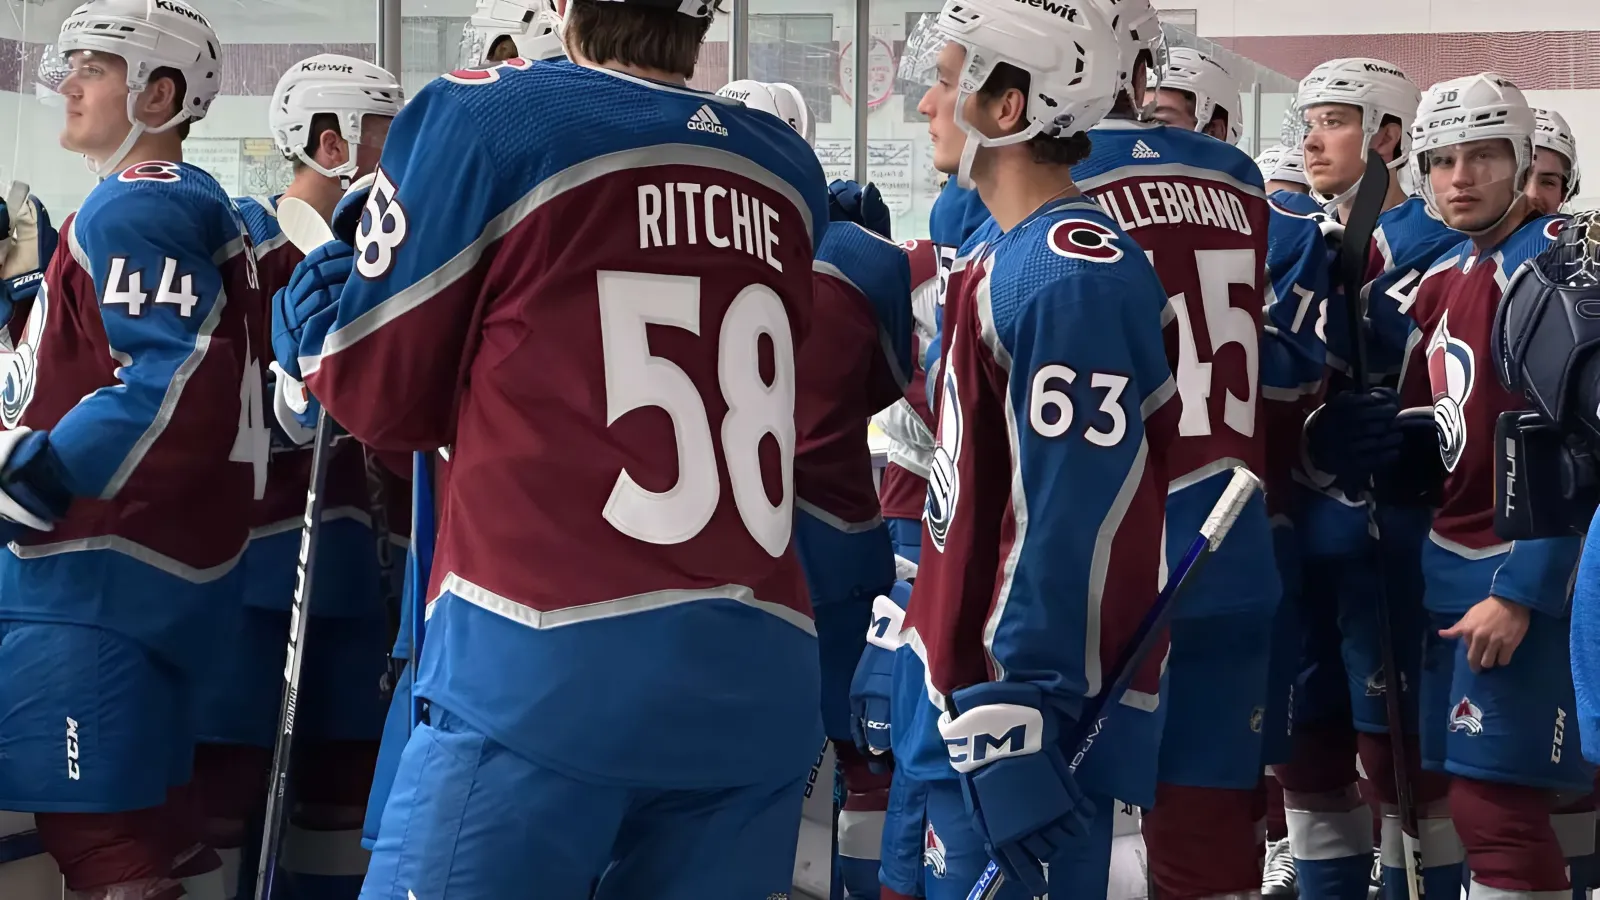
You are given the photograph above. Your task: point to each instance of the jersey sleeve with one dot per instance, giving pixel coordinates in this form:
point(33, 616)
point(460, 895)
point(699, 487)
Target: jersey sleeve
point(1084, 376)
point(1536, 574)
point(159, 295)
point(386, 360)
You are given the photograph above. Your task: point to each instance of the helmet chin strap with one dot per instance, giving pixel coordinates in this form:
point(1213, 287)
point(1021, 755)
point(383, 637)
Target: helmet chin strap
point(1331, 202)
point(976, 139)
point(104, 168)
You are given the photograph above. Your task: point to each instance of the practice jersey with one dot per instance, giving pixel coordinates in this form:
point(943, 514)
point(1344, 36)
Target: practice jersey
point(1042, 538)
point(909, 424)
point(1197, 208)
point(1449, 366)
point(347, 574)
point(604, 332)
point(139, 357)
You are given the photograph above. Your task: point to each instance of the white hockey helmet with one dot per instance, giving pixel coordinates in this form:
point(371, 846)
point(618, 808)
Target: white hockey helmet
point(1553, 133)
point(533, 26)
point(1473, 108)
point(149, 35)
point(329, 84)
point(777, 98)
point(1379, 89)
point(699, 9)
point(1281, 163)
point(1138, 29)
point(1211, 85)
point(1069, 51)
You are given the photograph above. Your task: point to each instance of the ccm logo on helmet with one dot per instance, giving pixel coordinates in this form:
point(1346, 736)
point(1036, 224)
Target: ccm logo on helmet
point(328, 67)
point(1063, 10)
point(1084, 239)
point(184, 11)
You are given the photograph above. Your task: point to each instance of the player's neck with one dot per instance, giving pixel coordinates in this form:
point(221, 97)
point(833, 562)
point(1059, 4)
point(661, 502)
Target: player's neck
point(163, 147)
point(1395, 196)
point(660, 75)
point(317, 189)
point(1497, 235)
point(1014, 189)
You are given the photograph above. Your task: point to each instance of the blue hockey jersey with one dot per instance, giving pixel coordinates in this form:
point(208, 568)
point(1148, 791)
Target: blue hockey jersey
point(1042, 538)
point(853, 363)
point(1197, 208)
point(348, 579)
point(1449, 367)
point(139, 357)
point(599, 296)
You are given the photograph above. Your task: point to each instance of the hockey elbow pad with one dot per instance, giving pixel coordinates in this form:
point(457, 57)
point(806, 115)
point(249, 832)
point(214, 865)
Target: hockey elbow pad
point(1416, 478)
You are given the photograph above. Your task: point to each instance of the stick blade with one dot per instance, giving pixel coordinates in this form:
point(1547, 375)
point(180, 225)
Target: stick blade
point(302, 224)
point(1240, 489)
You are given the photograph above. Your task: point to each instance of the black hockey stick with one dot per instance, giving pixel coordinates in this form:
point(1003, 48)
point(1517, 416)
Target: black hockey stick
point(1353, 259)
point(278, 801)
point(1213, 531)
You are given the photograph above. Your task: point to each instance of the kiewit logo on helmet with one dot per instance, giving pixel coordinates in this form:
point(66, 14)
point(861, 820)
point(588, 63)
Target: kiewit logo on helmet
point(1054, 7)
point(181, 10)
point(1383, 70)
point(328, 67)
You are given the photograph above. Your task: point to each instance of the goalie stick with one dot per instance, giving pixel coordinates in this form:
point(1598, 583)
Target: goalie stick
point(1353, 259)
point(1213, 531)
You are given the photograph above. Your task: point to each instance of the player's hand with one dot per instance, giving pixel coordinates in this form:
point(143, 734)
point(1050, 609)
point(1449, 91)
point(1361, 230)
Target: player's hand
point(1022, 797)
point(1492, 630)
point(1353, 435)
point(870, 689)
point(850, 202)
point(314, 287)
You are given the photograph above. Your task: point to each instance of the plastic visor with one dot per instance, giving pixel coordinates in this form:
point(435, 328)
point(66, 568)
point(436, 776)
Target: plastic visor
point(53, 70)
point(478, 42)
point(919, 60)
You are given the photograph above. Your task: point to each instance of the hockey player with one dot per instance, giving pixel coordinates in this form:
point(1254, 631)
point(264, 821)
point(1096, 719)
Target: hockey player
point(500, 30)
point(1196, 206)
point(329, 115)
point(851, 366)
point(1496, 671)
point(136, 448)
point(1555, 163)
point(556, 353)
point(1350, 108)
point(1036, 381)
point(1284, 170)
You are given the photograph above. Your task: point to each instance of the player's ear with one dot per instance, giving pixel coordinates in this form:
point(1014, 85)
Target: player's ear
point(1011, 113)
point(332, 151)
point(157, 101)
point(1387, 141)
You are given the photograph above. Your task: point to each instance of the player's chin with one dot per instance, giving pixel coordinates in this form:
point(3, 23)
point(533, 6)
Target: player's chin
point(1325, 181)
point(1469, 217)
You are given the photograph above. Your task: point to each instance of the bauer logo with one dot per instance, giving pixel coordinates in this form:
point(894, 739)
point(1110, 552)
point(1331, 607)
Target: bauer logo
point(705, 119)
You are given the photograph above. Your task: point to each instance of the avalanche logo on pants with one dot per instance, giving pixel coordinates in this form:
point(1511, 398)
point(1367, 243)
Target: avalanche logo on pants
point(933, 851)
point(1451, 374)
point(1467, 717)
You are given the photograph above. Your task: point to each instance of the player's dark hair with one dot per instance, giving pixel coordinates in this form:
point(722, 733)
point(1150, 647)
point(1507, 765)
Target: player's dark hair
point(1048, 151)
point(1399, 144)
point(650, 37)
point(320, 123)
point(180, 90)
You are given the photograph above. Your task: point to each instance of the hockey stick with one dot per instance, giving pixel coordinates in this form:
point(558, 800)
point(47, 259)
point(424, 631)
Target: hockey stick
point(1213, 531)
point(305, 228)
point(1353, 259)
point(282, 752)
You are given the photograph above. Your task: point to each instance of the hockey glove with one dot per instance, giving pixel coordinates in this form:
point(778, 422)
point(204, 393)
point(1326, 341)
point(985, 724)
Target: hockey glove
point(33, 491)
point(314, 288)
point(872, 686)
point(1417, 476)
point(1353, 435)
point(850, 202)
point(351, 213)
point(1004, 745)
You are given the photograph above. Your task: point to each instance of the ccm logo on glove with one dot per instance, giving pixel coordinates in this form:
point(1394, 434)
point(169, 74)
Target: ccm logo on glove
point(992, 732)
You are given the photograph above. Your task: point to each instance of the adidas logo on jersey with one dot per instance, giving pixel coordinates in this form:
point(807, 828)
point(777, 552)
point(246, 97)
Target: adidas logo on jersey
point(1141, 150)
point(706, 120)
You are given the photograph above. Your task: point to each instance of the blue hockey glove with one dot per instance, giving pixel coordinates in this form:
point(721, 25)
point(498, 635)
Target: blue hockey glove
point(1004, 745)
point(33, 491)
point(315, 286)
point(850, 202)
point(1353, 435)
point(873, 684)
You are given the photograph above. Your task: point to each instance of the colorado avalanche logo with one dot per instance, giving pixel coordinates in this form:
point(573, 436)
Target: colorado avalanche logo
point(152, 171)
point(20, 366)
point(933, 851)
point(1084, 239)
point(1452, 372)
point(1466, 717)
point(944, 485)
point(1554, 227)
point(487, 74)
